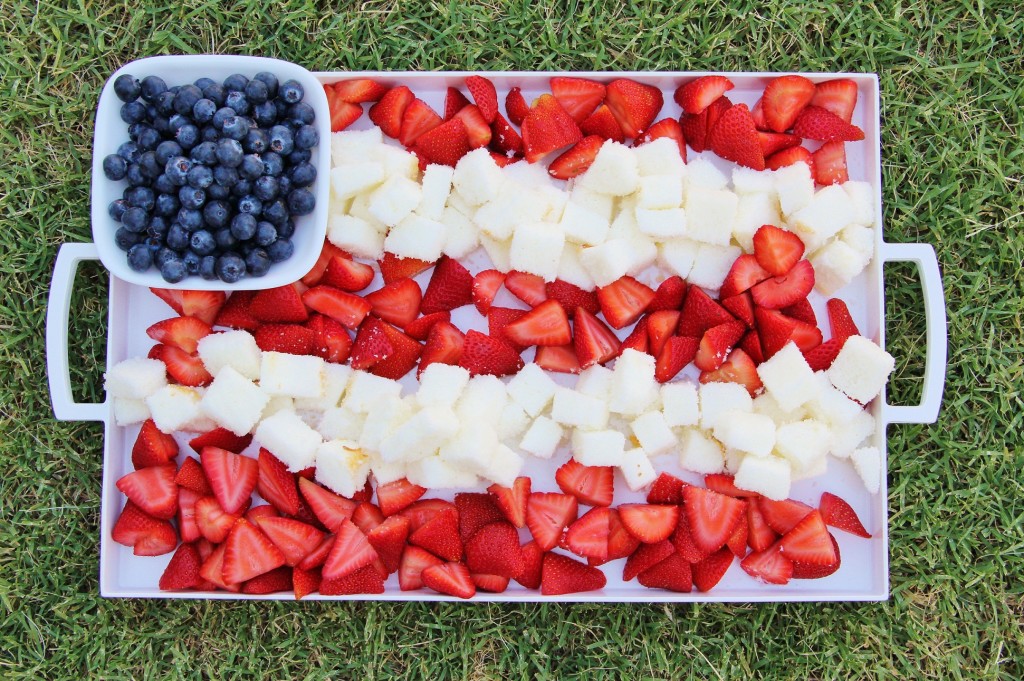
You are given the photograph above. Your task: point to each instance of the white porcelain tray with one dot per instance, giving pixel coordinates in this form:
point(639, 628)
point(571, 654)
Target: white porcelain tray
point(864, 575)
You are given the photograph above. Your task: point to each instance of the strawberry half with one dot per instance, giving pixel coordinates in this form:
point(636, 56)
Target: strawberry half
point(248, 552)
point(782, 516)
point(153, 490)
point(809, 542)
point(741, 306)
point(419, 329)
point(828, 164)
point(738, 368)
point(666, 127)
point(405, 353)
point(577, 159)
point(504, 138)
point(700, 312)
point(734, 138)
point(548, 514)
point(293, 339)
point(444, 144)
point(666, 489)
point(182, 572)
point(788, 157)
point(759, 534)
point(840, 515)
point(776, 329)
point(623, 301)
point(476, 509)
point(294, 538)
point(546, 324)
point(346, 308)
point(816, 123)
point(578, 96)
point(588, 536)
point(840, 320)
point(603, 124)
point(454, 101)
point(450, 287)
point(351, 551)
point(191, 477)
point(330, 509)
point(183, 333)
point(485, 96)
point(717, 343)
point(235, 312)
point(708, 573)
point(232, 476)
point(393, 268)
point(414, 561)
point(440, 535)
point(331, 341)
point(395, 496)
point(276, 484)
point(397, 303)
point(558, 358)
point(696, 127)
point(563, 575)
point(774, 142)
point(787, 289)
point(592, 485)
point(342, 113)
point(769, 566)
point(548, 127)
point(482, 354)
point(444, 344)
point(153, 447)
point(570, 297)
point(365, 580)
point(516, 106)
point(695, 96)
point(147, 535)
point(512, 500)
point(646, 556)
point(635, 105)
point(281, 304)
point(660, 327)
point(677, 353)
point(528, 288)
point(451, 579)
point(712, 517)
point(359, 90)
point(672, 573)
point(776, 250)
point(838, 96)
point(182, 368)
point(669, 295)
point(388, 112)
point(417, 119)
point(346, 274)
point(650, 523)
point(485, 287)
point(371, 346)
point(388, 540)
point(478, 128)
point(637, 339)
point(784, 98)
point(494, 549)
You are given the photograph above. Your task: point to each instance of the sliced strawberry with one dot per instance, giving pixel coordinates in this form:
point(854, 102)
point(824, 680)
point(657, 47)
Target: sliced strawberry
point(395, 496)
point(388, 113)
point(776, 250)
point(577, 159)
point(723, 484)
point(484, 95)
point(365, 580)
point(450, 287)
point(182, 368)
point(695, 96)
point(276, 484)
point(440, 536)
point(274, 581)
point(232, 476)
point(774, 142)
point(588, 536)
point(563, 575)
point(482, 354)
point(366, 516)
point(444, 344)
point(359, 90)
point(669, 295)
point(684, 543)
point(828, 164)
point(182, 572)
point(737, 541)
point(769, 566)
point(637, 339)
point(678, 352)
point(388, 540)
point(787, 289)
point(454, 101)
point(490, 583)
point(478, 128)
point(635, 105)
point(281, 304)
point(213, 570)
point(254, 513)
point(417, 119)
point(476, 509)
point(776, 329)
point(203, 305)
point(318, 556)
point(393, 268)
point(397, 303)
point(734, 138)
point(172, 297)
point(153, 490)
point(347, 274)
point(623, 301)
point(788, 157)
point(424, 510)
point(191, 477)
point(745, 273)
point(751, 344)
point(451, 579)
point(814, 571)
point(512, 500)
point(494, 549)
point(660, 327)
point(528, 288)
point(445, 144)
point(801, 310)
point(342, 113)
point(516, 106)
point(404, 356)
point(530, 575)
point(700, 312)
point(343, 307)
point(760, 535)
point(414, 561)
point(505, 141)
point(235, 312)
point(595, 343)
point(351, 551)
point(839, 514)
point(371, 346)
point(712, 516)
point(708, 573)
point(650, 523)
point(741, 306)
point(294, 538)
point(558, 358)
point(548, 127)
point(696, 127)
point(248, 552)
point(212, 521)
point(305, 582)
point(152, 447)
point(717, 343)
point(547, 516)
point(821, 357)
point(134, 527)
point(183, 333)
point(331, 341)
point(485, 287)
point(293, 339)
point(782, 516)
point(666, 127)
point(840, 320)
point(816, 123)
point(592, 485)
point(646, 556)
point(329, 508)
point(784, 98)
point(838, 96)
point(672, 573)
point(603, 124)
point(757, 113)
point(666, 489)
point(578, 96)
point(419, 329)
point(546, 324)
point(220, 437)
point(162, 540)
point(809, 542)
point(738, 368)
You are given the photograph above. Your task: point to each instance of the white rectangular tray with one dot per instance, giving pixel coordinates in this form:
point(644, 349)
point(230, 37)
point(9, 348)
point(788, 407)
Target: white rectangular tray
point(864, 575)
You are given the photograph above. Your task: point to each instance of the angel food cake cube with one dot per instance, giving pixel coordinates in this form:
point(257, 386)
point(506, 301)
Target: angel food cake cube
point(396, 198)
point(710, 214)
point(614, 171)
point(637, 470)
point(571, 408)
point(136, 378)
point(679, 404)
point(356, 236)
point(342, 466)
point(653, 433)
point(174, 407)
point(472, 448)
point(128, 411)
point(718, 399)
point(633, 387)
point(420, 436)
point(542, 438)
point(861, 369)
point(660, 191)
point(441, 384)
point(700, 453)
point(289, 438)
point(365, 388)
point(537, 248)
point(532, 389)
point(436, 186)
point(659, 157)
point(477, 177)
point(770, 476)
point(598, 447)
point(356, 178)
point(237, 349)
point(747, 432)
point(416, 237)
point(788, 378)
point(234, 402)
point(335, 380)
point(292, 375)
point(582, 225)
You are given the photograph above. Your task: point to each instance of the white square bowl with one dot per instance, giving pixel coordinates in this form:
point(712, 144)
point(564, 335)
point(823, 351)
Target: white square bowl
point(111, 132)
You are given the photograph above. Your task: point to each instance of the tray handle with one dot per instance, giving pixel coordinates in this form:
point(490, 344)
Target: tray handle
point(923, 255)
point(57, 314)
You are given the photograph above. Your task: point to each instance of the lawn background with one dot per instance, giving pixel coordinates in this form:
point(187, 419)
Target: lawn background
point(952, 98)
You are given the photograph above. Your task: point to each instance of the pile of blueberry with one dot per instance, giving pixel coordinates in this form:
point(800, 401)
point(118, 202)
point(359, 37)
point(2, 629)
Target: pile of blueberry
point(216, 174)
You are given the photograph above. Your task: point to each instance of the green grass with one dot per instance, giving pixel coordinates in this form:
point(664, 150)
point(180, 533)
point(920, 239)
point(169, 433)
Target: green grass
point(952, 97)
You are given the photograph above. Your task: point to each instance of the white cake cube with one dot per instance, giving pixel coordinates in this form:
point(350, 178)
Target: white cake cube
point(385, 415)
point(385, 472)
point(341, 423)
point(753, 211)
point(398, 162)
point(746, 431)
point(278, 403)
point(642, 253)
point(835, 265)
point(598, 447)
point(532, 389)
point(172, 407)
point(433, 472)
point(817, 468)
point(788, 378)
point(282, 373)
point(700, 453)
point(497, 251)
point(653, 433)
point(596, 381)
point(365, 388)
point(396, 198)
point(679, 404)
point(678, 256)
point(659, 157)
point(290, 439)
point(703, 174)
point(660, 191)
point(861, 369)
point(633, 387)
point(483, 400)
point(637, 469)
point(356, 178)
point(849, 435)
point(416, 237)
point(136, 378)
point(236, 348)
point(421, 435)
point(750, 181)
point(352, 146)
point(355, 235)
point(537, 248)
point(461, 236)
point(342, 467)
point(712, 265)
point(500, 216)
point(505, 466)
point(661, 224)
point(614, 171)
point(733, 459)
point(582, 225)
point(862, 197)
point(767, 405)
point(868, 463)
point(359, 207)
point(336, 378)
point(542, 438)
point(436, 186)
point(441, 384)
point(571, 269)
point(472, 448)
point(831, 405)
point(128, 411)
point(823, 217)
point(512, 422)
point(803, 443)
point(571, 408)
point(234, 402)
point(710, 214)
point(795, 187)
point(861, 239)
point(609, 261)
point(477, 177)
point(770, 476)
point(718, 399)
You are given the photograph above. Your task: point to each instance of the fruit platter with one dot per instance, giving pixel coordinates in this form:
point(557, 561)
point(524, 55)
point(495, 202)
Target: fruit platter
point(570, 336)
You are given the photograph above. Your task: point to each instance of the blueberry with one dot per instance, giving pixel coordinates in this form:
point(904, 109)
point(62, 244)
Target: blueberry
point(281, 139)
point(239, 102)
point(203, 110)
point(163, 254)
point(302, 175)
point(225, 239)
point(200, 177)
point(177, 169)
point(190, 219)
point(286, 229)
point(256, 141)
point(252, 167)
point(173, 270)
point(217, 192)
point(242, 188)
point(250, 204)
point(282, 109)
point(162, 124)
point(280, 250)
point(186, 98)
point(148, 138)
point(257, 262)
point(177, 237)
point(284, 185)
point(187, 136)
point(165, 103)
point(192, 262)
point(127, 88)
point(224, 176)
point(135, 176)
point(166, 204)
point(268, 79)
point(229, 153)
point(153, 87)
point(203, 83)
point(301, 202)
point(167, 150)
point(235, 127)
point(158, 226)
point(299, 156)
point(265, 114)
point(150, 167)
point(141, 197)
point(193, 198)
point(209, 134)
point(163, 185)
point(207, 267)
point(306, 137)
point(256, 91)
point(129, 151)
point(140, 258)
point(115, 167)
point(221, 115)
point(117, 208)
point(125, 239)
point(177, 121)
point(215, 93)
point(265, 188)
point(266, 234)
point(135, 219)
point(230, 268)
point(273, 164)
point(243, 226)
point(291, 92)
point(301, 113)
point(276, 213)
point(202, 242)
point(235, 82)
point(204, 153)
point(216, 214)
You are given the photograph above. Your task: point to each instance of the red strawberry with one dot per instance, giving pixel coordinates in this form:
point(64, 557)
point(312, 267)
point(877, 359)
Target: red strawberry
point(351, 551)
point(288, 338)
point(570, 297)
point(716, 344)
point(635, 105)
point(828, 164)
point(592, 485)
point(343, 307)
point(388, 540)
point(745, 272)
point(840, 320)
point(485, 287)
point(182, 368)
point(769, 566)
point(444, 344)
point(395, 496)
point(787, 289)
point(494, 549)
point(816, 571)
point(424, 510)
point(153, 490)
point(327, 252)
point(476, 509)
point(359, 90)
point(232, 476)
point(646, 556)
point(809, 542)
point(603, 124)
point(347, 274)
point(406, 352)
point(305, 582)
point(548, 127)
point(420, 328)
point(547, 516)
point(450, 287)
point(677, 353)
point(666, 489)
point(734, 138)
point(516, 106)
point(777, 250)
point(697, 95)
point(445, 144)
point(512, 500)
point(504, 138)
point(546, 324)
point(782, 516)
point(558, 358)
point(637, 339)
point(650, 523)
point(152, 447)
point(343, 114)
point(757, 113)
point(821, 357)
point(776, 329)
point(254, 514)
point(295, 539)
point(417, 119)
point(696, 127)
point(393, 268)
point(816, 123)
point(332, 510)
point(414, 561)
point(365, 580)
point(482, 354)
point(787, 157)
point(220, 437)
point(672, 573)
point(700, 312)
point(191, 477)
point(387, 113)
point(331, 341)
point(528, 288)
point(281, 304)
point(212, 571)
point(666, 127)
point(451, 579)
point(773, 142)
point(366, 516)
point(669, 295)
point(182, 572)
point(248, 552)
point(784, 98)
point(838, 96)
point(737, 541)
point(660, 327)
point(741, 306)
point(723, 484)
point(595, 343)
point(708, 573)
point(135, 527)
point(801, 310)
point(490, 583)
point(588, 537)
point(277, 580)
point(454, 101)
point(478, 128)
point(751, 344)
point(499, 318)
point(203, 305)
point(530, 575)
point(759, 534)
point(275, 484)
point(563, 575)
point(712, 516)
point(577, 159)
point(621, 542)
point(212, 521)
point(839, 514)
point(684, 543)
point(578, 96)
point(183, 333)
point(738, 368)
point(397, 302)
point(485, 96)
point(371, 346)
point(440, 536)
point(623, 301)
point(318, 556)
point(235, 312)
